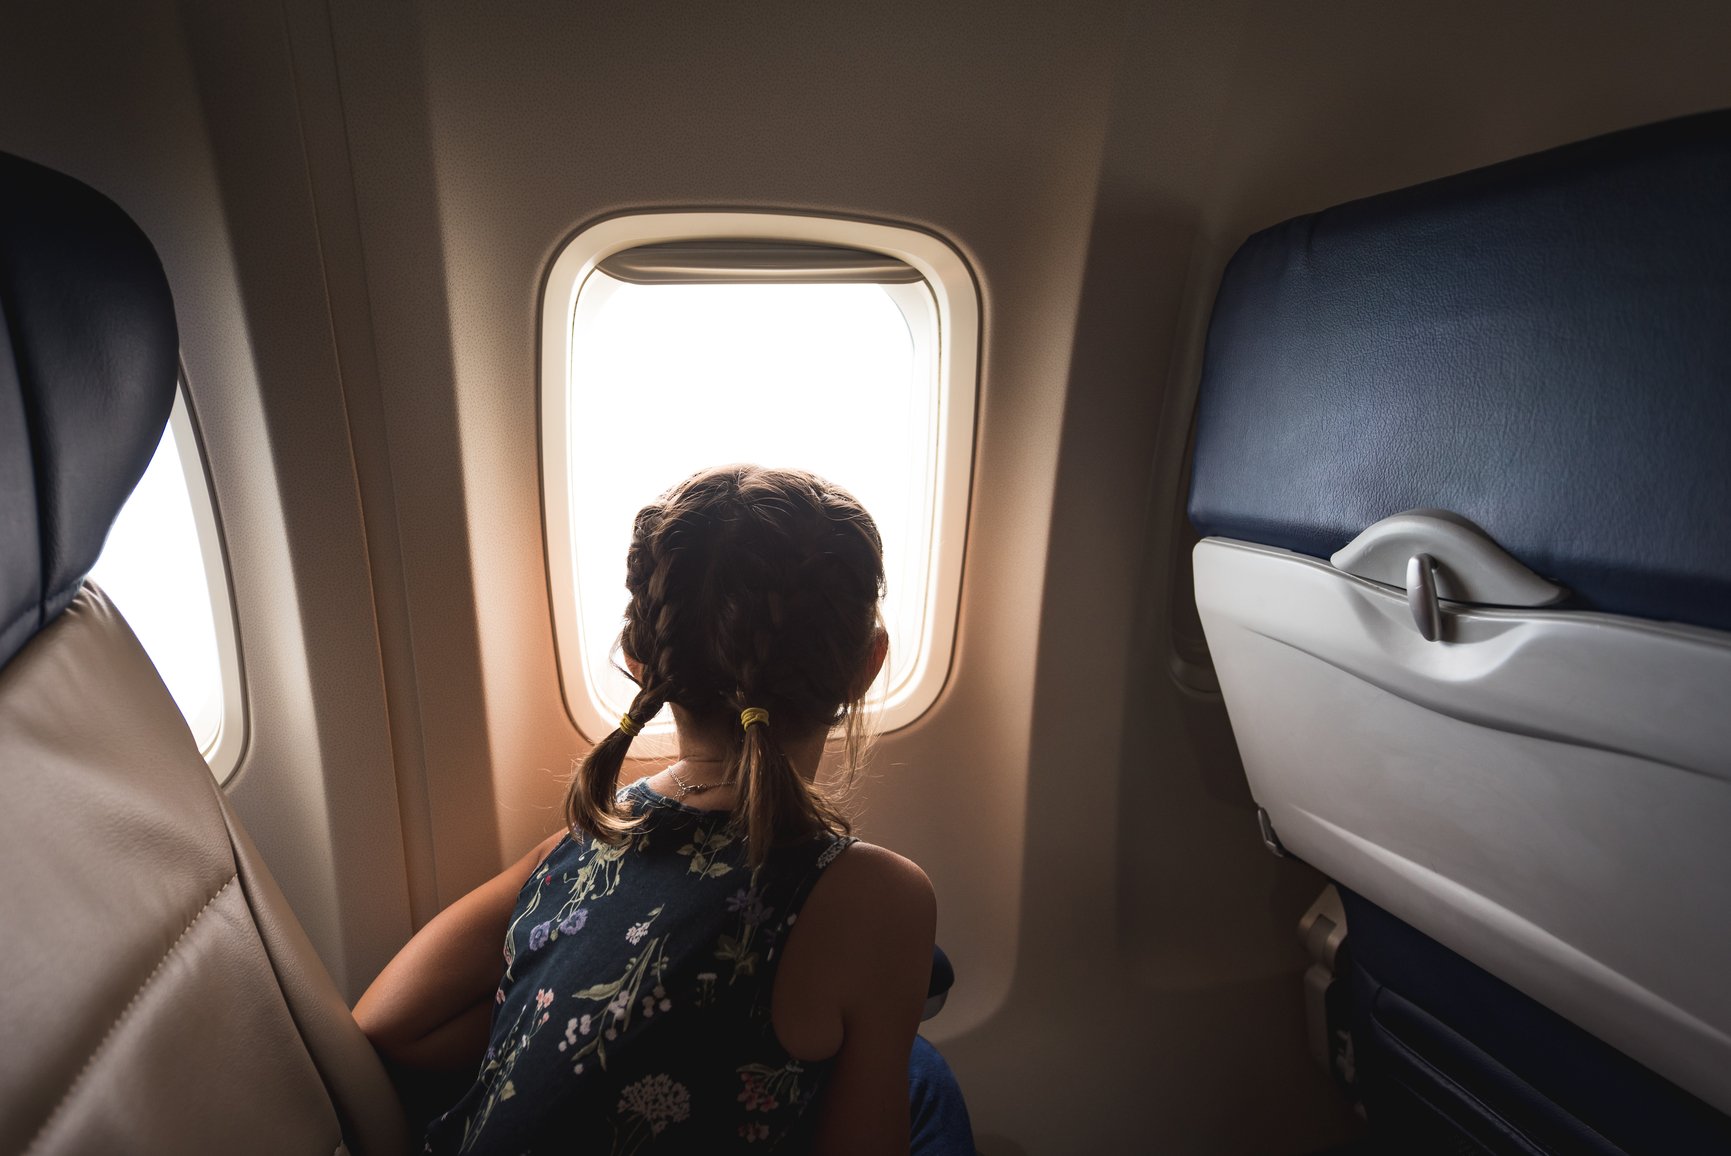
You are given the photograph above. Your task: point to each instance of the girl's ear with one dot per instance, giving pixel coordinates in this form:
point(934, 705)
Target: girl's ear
point(635, 667)
point(874, 663)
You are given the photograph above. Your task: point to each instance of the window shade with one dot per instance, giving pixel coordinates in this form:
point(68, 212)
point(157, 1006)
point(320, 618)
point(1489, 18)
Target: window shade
point(754, 262)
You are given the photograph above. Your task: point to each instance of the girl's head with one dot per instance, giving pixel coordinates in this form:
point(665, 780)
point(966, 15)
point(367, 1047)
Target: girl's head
point(750, 588)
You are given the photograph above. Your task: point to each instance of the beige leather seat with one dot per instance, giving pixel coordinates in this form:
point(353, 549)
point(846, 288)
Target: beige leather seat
point(158, 995)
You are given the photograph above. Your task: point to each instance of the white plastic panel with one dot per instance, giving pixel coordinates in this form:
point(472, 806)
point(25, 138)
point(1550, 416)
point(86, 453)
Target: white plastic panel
point(1546, 792)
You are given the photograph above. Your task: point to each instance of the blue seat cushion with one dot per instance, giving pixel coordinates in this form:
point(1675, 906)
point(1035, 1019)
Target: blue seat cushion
point(1447, 1052)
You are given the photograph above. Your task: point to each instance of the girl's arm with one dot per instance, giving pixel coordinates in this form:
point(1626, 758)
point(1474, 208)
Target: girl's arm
point(877, 926)
point(431, 1005)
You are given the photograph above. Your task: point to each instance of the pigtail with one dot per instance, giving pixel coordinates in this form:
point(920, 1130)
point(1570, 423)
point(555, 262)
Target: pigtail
point(773, 801)
point(590, 804)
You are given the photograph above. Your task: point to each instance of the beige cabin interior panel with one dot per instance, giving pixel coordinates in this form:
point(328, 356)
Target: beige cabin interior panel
point(356, 203)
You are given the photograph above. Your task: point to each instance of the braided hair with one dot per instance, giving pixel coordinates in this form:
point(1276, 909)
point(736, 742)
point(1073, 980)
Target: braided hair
point(750, 587)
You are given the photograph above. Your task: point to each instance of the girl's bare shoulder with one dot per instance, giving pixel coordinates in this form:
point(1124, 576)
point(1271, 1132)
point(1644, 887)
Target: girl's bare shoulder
point(866, 867)
point(874, 899)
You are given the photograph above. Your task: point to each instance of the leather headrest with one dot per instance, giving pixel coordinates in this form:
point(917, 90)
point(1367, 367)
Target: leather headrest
point(88, 363)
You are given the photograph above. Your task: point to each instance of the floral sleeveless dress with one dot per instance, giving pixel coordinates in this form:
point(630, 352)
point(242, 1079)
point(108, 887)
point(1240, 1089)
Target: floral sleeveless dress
point(634, 1012)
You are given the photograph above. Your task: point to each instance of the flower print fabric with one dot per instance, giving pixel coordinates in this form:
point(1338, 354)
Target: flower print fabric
point(633, 1015)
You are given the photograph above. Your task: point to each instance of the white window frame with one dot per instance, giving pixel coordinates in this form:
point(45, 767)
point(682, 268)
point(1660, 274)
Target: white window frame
point(224, 750)
point(956, 300)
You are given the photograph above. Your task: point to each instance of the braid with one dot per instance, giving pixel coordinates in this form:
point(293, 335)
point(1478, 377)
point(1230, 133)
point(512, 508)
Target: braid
point(589, 804)
point(750, 588)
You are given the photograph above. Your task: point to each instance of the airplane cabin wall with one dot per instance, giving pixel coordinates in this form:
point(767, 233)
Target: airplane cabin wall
point(186, 118)
point(357, 202)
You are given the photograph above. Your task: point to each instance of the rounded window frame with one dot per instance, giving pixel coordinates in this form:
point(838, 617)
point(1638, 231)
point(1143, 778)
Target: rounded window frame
point(225, 745)
point(956, 343)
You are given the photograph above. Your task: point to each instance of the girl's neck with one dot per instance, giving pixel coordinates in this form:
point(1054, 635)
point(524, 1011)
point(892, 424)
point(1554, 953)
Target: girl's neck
point(693, 784)
point(695, 778)
point(702, 747)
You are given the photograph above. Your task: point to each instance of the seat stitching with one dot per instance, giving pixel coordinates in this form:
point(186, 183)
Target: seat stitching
point(32, 436)
point(36, 608)
point(121, 1018)
point(33, 608)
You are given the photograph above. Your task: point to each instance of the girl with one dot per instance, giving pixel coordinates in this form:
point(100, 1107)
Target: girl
point(702, 953)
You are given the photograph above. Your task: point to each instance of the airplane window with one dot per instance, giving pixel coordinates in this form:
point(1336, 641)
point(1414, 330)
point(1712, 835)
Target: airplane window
point(162, 566)
point(824, 358)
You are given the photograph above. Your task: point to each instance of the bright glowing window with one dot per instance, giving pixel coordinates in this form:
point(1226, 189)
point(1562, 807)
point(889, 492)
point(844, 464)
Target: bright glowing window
point(162, 566)
point(678, 341)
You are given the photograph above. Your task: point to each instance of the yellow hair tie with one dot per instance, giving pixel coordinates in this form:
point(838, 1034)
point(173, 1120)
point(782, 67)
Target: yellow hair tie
point(629, 725)
point(752, 715)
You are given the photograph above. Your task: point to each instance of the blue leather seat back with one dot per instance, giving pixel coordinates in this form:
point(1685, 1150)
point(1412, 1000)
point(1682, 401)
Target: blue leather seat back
point(1543, 347)
point(88, 358)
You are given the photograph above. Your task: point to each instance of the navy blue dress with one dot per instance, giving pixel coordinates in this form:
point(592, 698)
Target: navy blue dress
point(634, 1011)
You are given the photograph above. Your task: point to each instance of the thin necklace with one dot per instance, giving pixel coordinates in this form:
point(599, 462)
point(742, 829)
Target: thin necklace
point(686, 788)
